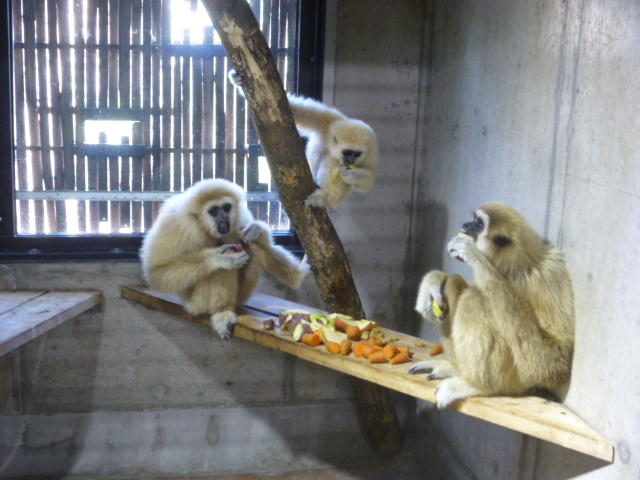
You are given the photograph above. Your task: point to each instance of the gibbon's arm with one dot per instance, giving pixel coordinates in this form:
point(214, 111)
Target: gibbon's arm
point(311, 115)
point(275, 259)
point(185, 271)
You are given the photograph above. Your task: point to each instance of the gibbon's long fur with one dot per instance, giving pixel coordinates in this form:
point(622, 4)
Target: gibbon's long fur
point(183, 252)
point(342, 151)
point(513, 328)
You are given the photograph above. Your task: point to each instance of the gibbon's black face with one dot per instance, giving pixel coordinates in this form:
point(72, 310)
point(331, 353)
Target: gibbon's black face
point(221, 217)
point(349, 157)
point(474, 228)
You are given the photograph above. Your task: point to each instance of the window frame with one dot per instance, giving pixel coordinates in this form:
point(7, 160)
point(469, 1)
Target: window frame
point(35, 248)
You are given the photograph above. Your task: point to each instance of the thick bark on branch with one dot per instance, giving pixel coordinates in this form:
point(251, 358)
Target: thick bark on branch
point(248, 50)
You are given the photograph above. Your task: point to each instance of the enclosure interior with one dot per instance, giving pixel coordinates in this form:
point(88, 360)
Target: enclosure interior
point(529, 102)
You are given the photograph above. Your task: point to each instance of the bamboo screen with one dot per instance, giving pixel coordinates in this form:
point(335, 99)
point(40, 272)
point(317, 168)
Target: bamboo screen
point(118, 103)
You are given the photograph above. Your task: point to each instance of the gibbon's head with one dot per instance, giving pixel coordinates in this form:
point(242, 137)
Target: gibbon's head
point(351, 141)
point(219, 207)
point(505, 237)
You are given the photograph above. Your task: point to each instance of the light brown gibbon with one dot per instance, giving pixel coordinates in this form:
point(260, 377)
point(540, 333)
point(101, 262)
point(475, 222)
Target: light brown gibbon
point(206, 246)
point(513, 328)
point(342, 151)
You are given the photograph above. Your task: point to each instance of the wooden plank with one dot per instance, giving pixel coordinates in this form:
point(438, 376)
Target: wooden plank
point(220, 119)
point(80, 160)
point(185, 159)
point(43, 123)
point(114, 96)
point(150, 158)
point(207, 107)
point(535, 416)
point(197, 119)
point(124, 88)
point(31, 96)
point(136, 101)
point(20, 118)
point(44, 312)
point(178, 163)
point(165, 22)
point(92, 166)
point(12, 299)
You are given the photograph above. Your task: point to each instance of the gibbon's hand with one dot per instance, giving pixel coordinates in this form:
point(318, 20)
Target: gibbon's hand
point(227, 258)
point(431, 289)
point(354, 175)
point(462, 247)
point(252, 232)
point(317, 199)
point(236, 79)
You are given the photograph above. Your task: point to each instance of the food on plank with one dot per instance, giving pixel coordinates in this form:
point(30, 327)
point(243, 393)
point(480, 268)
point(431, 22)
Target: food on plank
point(340, 334)
point(269, 324)
point(437, 349)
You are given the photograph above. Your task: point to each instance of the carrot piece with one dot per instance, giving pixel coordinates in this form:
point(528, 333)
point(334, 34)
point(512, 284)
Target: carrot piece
point(390, 350)
point(403, 348)
point(366, 350)
point(341, 324)
point(358, 349)
point(333, 347)
point(437, 349)
point(353, 332)
point(377, 357)
point(401, 357)
point(345, 347)
point(311, 339)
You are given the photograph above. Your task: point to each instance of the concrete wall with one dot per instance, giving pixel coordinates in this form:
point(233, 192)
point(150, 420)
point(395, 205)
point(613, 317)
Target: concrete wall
point(124, 390)
point(536, 104)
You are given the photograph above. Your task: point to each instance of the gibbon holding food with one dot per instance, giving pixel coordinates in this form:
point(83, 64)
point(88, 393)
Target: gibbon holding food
point(513, 328)
point(206, 246)
point(342, 151)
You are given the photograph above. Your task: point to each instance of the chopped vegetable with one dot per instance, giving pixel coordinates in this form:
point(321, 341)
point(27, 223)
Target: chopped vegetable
point(345, 347)
point(401, 357)
point(311, 339)
point(333, 347)
point(390, 350)
point(377, 357)
point(353, 333)
point(437, 349)
point(358, 349)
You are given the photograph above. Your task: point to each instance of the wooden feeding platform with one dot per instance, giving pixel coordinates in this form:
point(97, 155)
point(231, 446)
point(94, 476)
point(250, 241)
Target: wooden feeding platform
point(27, 314)
point(535, 416)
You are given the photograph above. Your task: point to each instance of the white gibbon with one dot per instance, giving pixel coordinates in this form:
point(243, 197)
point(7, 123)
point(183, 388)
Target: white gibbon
point(206, 246)
point(342, 151)
point(510, 331)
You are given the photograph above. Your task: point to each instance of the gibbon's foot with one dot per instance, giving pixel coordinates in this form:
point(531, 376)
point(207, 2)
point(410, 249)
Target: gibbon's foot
point(437, 369)
point(252, 232)
point(461, 247)
point(223, 323)
point(228, 258)
point(317, 199)
point(431, 289)
point(453, 389)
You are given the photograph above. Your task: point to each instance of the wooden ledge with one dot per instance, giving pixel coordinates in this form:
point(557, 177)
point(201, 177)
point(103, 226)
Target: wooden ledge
point(27, 314)
point(535, 416)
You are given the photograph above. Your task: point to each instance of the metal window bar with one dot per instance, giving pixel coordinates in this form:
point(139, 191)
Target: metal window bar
point(78, 60)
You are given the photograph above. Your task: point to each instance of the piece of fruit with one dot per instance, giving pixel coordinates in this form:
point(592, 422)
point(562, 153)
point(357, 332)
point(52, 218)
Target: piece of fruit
point(437, 349)
point(401, 357)
point(377, 357)
point(269, 324)
point(294, 316)
point(300, 330)
point(438, 310)
point(330, 335)
point(376, 341)
point(345, 347)
point(311, 339)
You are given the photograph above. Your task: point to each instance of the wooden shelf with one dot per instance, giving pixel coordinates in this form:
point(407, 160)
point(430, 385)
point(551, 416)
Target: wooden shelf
point(25, 315)
point(533, 416)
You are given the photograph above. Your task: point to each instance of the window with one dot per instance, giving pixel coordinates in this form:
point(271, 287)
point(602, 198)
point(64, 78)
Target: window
point(116, 105)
